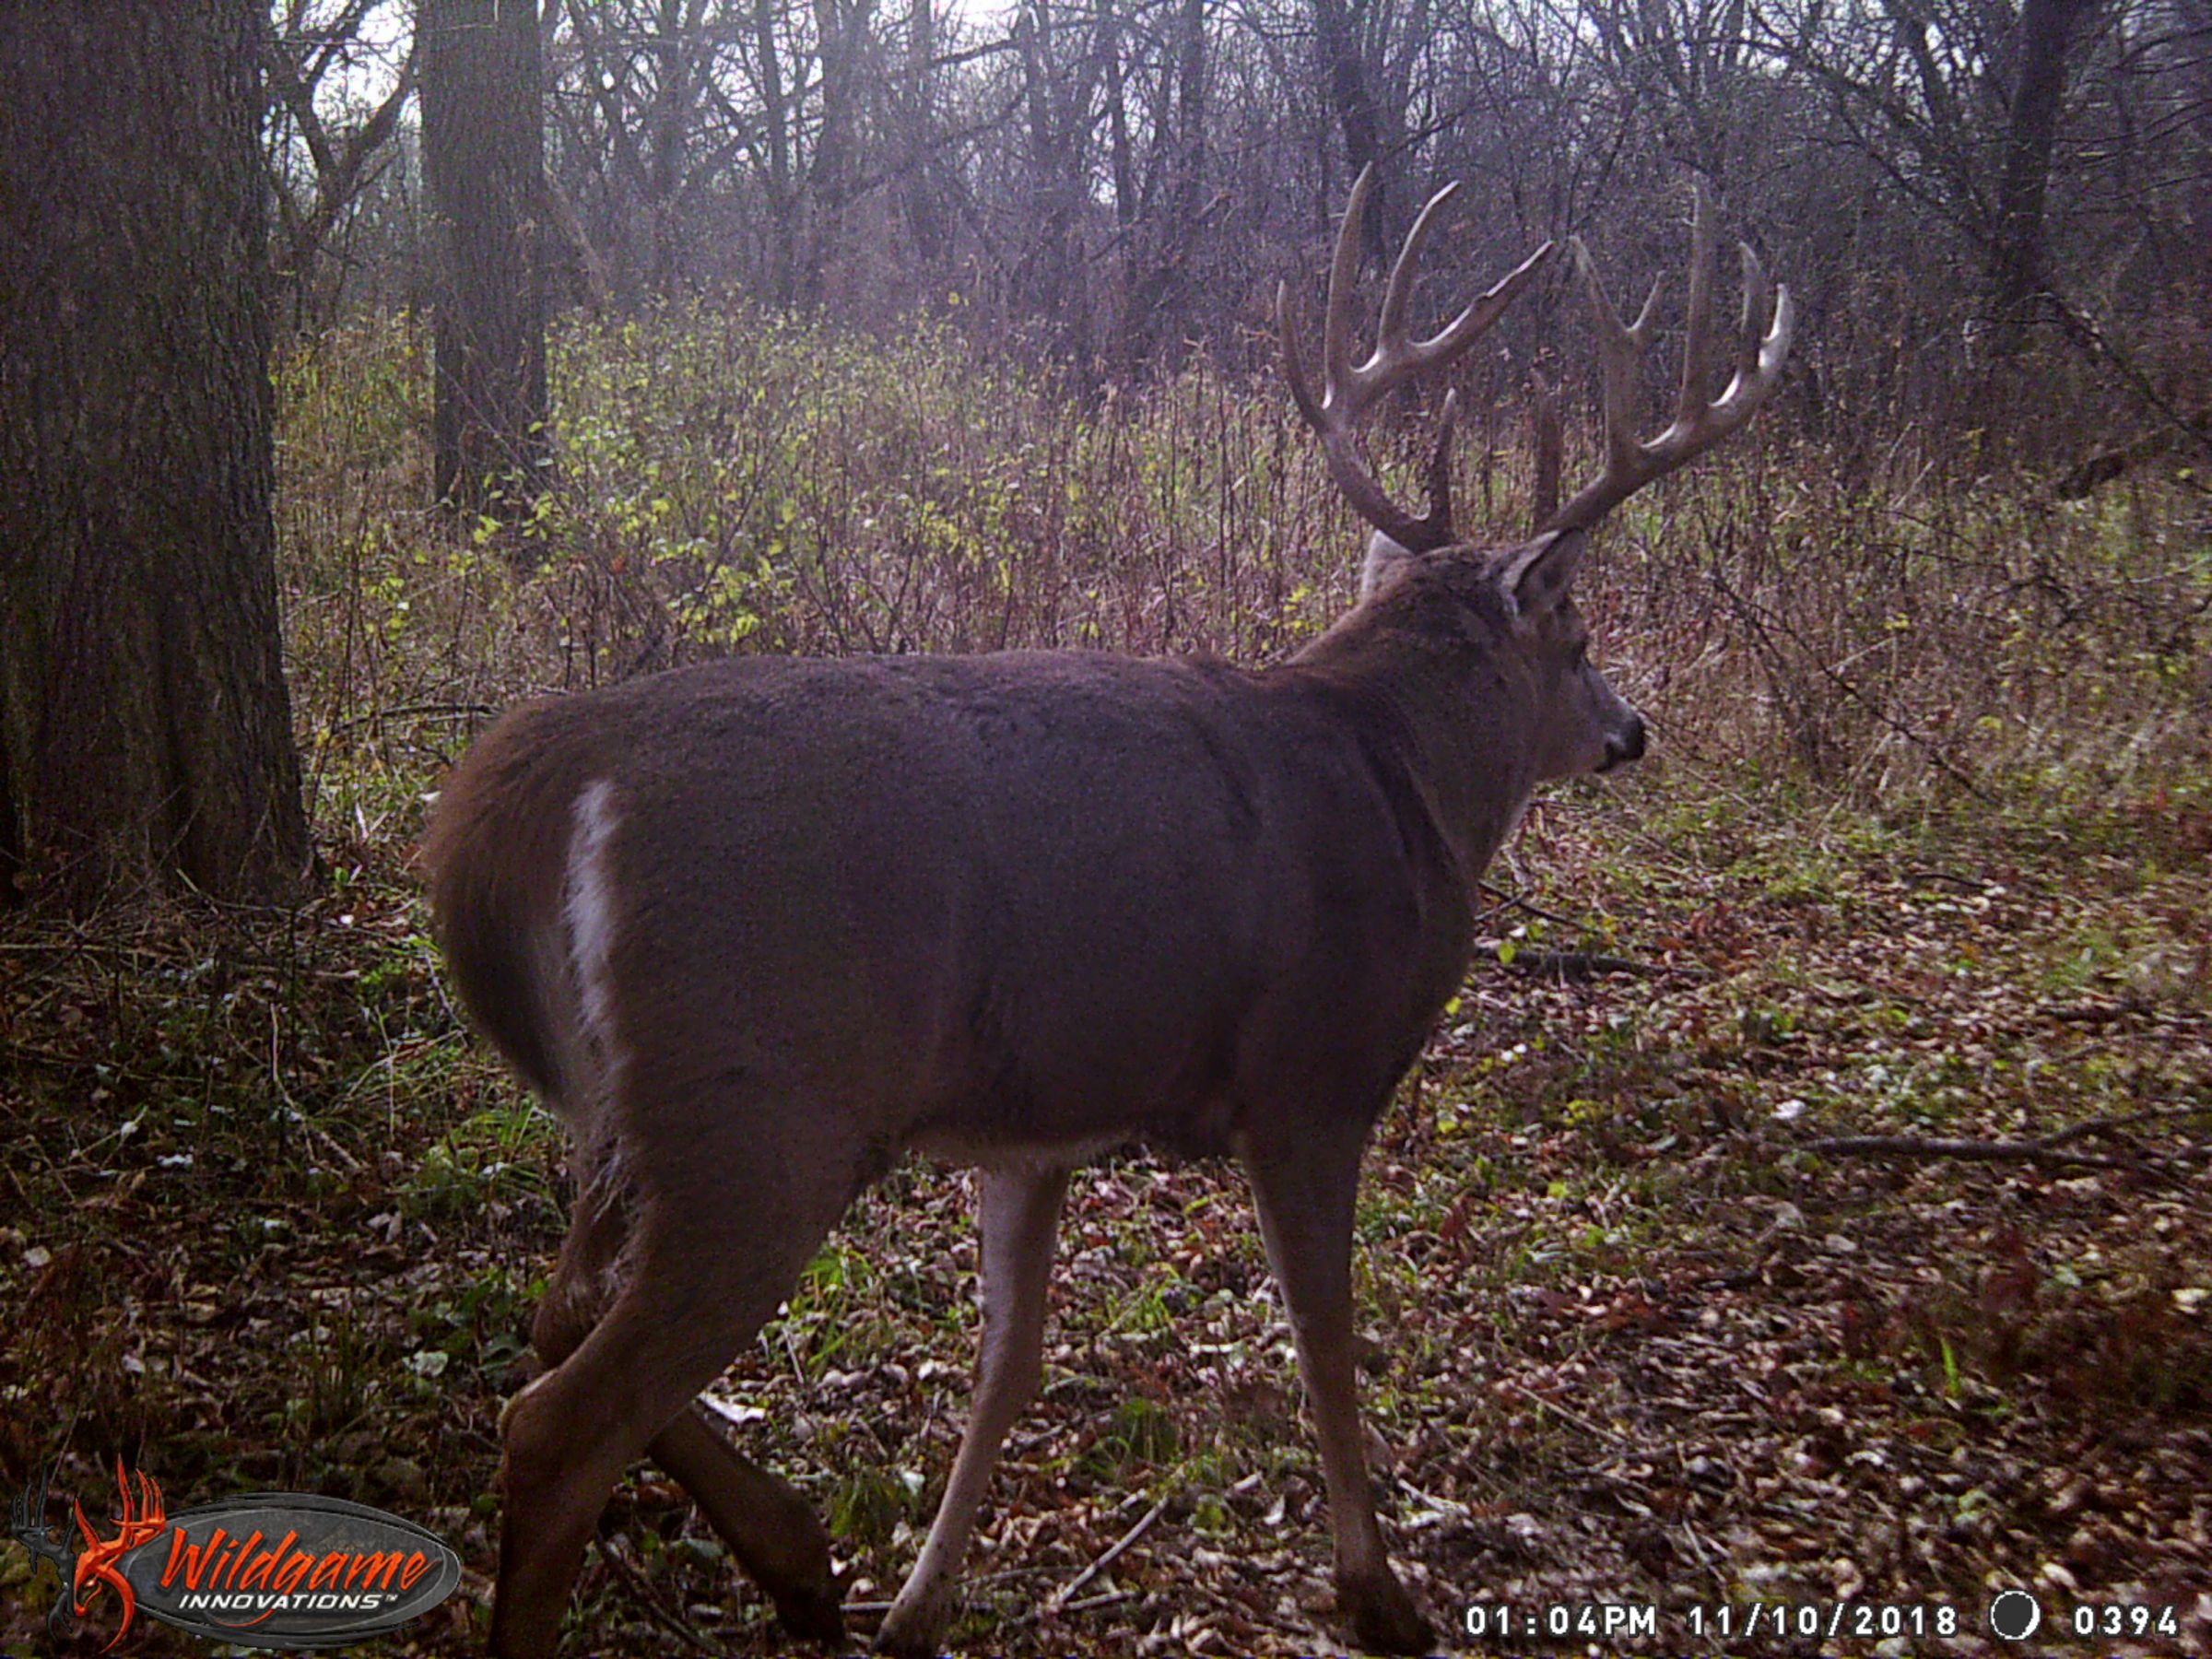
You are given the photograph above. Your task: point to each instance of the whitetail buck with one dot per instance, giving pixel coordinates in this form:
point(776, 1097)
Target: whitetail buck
point(756, 928)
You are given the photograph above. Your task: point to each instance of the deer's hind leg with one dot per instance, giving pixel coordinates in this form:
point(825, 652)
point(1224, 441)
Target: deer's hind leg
point(650, 1300)
point(771, 1530)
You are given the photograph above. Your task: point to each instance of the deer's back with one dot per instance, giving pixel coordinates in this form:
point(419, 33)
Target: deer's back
point(1050, 896)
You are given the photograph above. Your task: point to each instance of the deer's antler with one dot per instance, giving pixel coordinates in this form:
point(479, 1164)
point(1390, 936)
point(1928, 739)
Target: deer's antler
point(27, 1524)
point(1348, 391)
point(1762, 346)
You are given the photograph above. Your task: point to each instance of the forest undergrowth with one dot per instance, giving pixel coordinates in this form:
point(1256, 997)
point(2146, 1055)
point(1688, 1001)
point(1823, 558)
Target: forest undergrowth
point(1804, 1201)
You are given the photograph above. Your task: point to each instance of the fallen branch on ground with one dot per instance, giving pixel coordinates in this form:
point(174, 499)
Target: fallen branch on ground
point(2057, 1147)
point(1579, 964)
point(1059, 1601)
point(641, 1589)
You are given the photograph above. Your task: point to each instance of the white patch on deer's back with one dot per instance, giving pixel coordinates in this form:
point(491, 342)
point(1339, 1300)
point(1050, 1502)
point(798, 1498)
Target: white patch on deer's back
point(588, 908)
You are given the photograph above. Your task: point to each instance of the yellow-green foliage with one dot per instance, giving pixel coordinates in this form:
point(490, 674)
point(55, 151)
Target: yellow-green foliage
point(726, 480)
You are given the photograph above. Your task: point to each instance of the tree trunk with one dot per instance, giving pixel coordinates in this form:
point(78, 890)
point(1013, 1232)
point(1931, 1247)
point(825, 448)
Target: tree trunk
point(2047, 31)
point(676, 53)
point(145, 728)
point(1158, 308)
point(783, 201)
point(922, 192)
point(841, 33)
point(1368, 132)
point(483, 156)
point(1058, 96)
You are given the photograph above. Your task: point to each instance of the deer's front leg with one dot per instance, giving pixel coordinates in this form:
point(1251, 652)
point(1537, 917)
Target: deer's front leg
point(1017, 1212)
point(1304, 1191)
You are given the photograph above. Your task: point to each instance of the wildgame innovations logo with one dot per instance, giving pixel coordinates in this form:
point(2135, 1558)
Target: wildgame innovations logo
point(270, 1569)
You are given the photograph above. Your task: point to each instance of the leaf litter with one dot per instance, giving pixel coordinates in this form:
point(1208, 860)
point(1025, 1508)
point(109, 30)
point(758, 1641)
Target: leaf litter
point(272, 1221)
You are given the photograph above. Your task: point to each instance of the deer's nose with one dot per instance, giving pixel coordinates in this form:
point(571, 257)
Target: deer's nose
point(1624, 746)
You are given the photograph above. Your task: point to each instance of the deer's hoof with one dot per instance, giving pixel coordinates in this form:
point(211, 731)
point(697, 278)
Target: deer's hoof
point(1383, 1618)
point(813, 1613)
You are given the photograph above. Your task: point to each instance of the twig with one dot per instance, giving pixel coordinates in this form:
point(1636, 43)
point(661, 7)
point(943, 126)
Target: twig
point(1089, 1602)
point(1915, 1146)
point(2044, 1148)
point(1060, 1598)
point(1579, 1421)
point(2081, 330)
point(337, 1151)
point(2105, 1126)
point(863, 1609)
point(1579, 964)
point(1564, 964)
point(442, 711)
point(1965, 884)
point(89, 948)
point(1506, 901)
point(634, 1580)
point(1759, 616)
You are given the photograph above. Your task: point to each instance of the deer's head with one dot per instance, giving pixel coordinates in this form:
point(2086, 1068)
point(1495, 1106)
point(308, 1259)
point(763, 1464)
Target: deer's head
point(1516, 605)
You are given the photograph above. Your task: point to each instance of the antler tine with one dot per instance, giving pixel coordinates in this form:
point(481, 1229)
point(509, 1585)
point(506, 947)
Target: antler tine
point(1348, 391)
point(1484, 309)
point(1294, 356)
point(1768, 322)
point(1618, 349)
point(1390, 327)
point(1701, 421)
point(1339, 385)
point(1327, 418)
point(1696, 342)
point(27, 1509)
point(1440, 459)
point(1549, 438)
point(27, 1521)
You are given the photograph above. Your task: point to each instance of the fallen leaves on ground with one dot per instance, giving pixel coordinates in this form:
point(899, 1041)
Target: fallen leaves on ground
point(272, 1222)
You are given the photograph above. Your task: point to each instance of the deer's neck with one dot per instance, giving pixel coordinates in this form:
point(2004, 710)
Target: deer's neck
point(1461, 717)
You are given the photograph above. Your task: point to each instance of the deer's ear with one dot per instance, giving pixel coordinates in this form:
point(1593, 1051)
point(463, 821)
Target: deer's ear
point(1382, 556)
point(1533, 576)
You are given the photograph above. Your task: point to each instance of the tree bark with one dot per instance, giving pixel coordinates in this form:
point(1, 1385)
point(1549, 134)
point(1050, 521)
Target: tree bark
point(783, 198)
point(922, 192)
point(2047, 31)
point(841, 33)
point(483, 154)
point(144, 728)
point(1057, 94)
point(1368, 134)
point(1157, 310)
